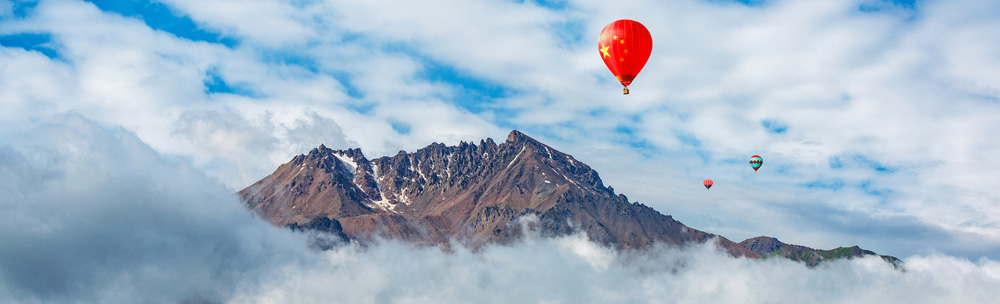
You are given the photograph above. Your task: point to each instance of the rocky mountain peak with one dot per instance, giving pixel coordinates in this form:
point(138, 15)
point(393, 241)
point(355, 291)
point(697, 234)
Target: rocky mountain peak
point(516, 136)
point(762, 244)
point(472, 193)
point(521, 148)
point(469, 192)
point(488, 144)
point(519, 140)
point(319, 151)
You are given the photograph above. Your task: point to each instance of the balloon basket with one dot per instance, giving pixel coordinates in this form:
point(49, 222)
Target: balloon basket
point(625, 91)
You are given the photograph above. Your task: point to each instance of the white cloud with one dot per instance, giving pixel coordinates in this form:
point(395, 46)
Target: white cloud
point(228, 137)
point(264, 22)
point(547, 271)
point(116, 69)
point(92, 214)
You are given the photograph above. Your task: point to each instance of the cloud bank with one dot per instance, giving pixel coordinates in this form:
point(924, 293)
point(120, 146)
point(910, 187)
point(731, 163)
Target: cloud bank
point(573, 270)
point(93, 214)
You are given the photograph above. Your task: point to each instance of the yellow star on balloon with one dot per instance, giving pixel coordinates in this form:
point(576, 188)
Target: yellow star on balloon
point(604, 50)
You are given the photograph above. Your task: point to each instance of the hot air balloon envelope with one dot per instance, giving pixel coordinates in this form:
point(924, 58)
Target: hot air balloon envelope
point(755, 162)
point(625, 46)
point(708, 184)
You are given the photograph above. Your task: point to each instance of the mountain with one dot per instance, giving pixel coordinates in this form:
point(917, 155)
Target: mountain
point(769, 247)
point(474, 194)
point(471, 193)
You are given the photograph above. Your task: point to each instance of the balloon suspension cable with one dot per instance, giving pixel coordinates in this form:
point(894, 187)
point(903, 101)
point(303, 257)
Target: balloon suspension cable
point(625, 91)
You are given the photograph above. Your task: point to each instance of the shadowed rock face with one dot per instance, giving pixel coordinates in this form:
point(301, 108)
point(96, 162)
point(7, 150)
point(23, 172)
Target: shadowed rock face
point(471, 193)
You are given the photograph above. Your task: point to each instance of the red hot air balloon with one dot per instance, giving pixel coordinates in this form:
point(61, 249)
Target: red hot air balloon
point(625, 46)
point(708, 184)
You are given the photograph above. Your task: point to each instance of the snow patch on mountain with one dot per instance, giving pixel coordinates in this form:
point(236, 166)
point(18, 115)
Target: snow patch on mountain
point(351, 165)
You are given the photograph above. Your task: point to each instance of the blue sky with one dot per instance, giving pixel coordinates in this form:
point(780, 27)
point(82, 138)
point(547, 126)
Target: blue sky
point(880, 112)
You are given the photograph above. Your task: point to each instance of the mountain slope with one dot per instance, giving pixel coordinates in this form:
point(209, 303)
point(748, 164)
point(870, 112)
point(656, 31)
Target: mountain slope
point(769, 247)
point(470, 193)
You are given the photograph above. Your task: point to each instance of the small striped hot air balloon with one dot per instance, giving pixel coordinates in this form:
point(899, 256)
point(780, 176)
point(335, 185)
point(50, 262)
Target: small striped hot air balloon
point(755, 162)
point(708, 184)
